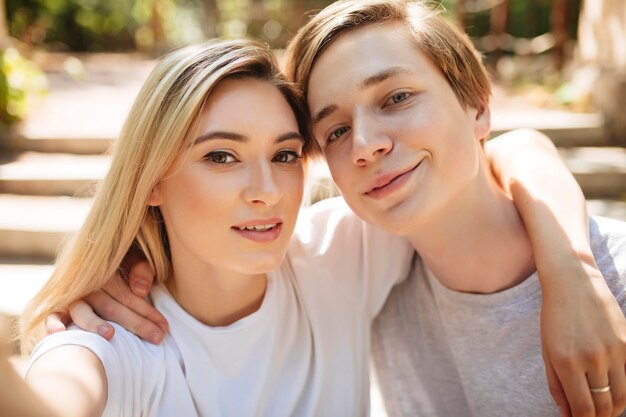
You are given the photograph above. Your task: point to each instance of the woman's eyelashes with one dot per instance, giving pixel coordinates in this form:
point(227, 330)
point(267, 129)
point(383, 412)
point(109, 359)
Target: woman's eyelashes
point(220, 157)
point(289, 156)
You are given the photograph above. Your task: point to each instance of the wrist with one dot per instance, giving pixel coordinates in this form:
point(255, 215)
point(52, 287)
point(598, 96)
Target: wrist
point(564, 268)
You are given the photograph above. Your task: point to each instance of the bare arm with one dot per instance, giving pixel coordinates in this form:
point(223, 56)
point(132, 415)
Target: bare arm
point(528, 167)
point(583, 327)
point(71, 381)
point(16, 398)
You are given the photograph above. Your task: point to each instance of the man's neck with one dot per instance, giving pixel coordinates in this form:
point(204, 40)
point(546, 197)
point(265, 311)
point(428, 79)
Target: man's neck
point(477, 243)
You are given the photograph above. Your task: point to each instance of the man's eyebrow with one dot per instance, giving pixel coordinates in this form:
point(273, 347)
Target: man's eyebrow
point(242, 138)
point(383, 75)
point(370, 81)
point(324, 113)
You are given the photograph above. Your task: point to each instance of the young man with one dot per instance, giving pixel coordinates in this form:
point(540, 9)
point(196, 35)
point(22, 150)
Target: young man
point(399, 104)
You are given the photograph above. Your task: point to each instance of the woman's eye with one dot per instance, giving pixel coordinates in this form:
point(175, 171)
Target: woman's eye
point(337, 133)
point(287, 157)
point(220, 157)
point(398, 98)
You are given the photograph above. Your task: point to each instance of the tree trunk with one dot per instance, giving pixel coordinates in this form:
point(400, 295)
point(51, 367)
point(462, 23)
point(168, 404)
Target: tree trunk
point(210, 18)
point(256, 19)
point(461, 14)
point(601, 34)
point(156, 24)
point(559, 16)
point(498, 21)
point(4, 28)
point(298, 11)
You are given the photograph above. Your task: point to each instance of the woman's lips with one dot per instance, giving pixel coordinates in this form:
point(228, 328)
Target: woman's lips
point(261, 232)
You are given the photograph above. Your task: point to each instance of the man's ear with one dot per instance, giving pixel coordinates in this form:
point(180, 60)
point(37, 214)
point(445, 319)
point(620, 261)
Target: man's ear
point(482, 125)
point(155, 196)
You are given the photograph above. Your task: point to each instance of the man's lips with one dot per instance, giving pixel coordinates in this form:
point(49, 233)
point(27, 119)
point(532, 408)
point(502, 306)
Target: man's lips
point(387, 181)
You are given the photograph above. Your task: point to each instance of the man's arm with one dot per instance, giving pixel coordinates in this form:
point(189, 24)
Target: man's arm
point(121, 301)
point(583, 328)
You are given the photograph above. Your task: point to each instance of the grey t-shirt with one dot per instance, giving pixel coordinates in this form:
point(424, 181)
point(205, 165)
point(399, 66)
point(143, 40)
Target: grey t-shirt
point(439, 352)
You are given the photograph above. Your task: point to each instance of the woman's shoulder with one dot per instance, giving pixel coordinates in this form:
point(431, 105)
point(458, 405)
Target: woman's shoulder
point(132, 366)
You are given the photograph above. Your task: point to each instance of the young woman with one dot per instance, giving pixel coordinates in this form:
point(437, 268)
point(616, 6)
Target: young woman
point(206, 181)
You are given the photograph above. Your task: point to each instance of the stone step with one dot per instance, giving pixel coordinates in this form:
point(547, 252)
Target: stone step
point(79, 145)
point(564, 128)
point(81, 113)
point(19, 283)
point(601, 172)
point(33, 173)
point(36, 226)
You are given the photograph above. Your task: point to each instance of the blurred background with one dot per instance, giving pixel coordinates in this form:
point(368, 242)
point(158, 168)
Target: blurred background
point(69, 70)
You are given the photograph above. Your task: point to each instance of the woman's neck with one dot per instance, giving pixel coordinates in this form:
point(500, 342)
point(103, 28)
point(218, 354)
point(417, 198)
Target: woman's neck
point(215, 297)
point(477, 243)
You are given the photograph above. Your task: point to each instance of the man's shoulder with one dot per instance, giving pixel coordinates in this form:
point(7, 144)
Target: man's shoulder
point(325, 221)
point(608, 243)
point(608, 232)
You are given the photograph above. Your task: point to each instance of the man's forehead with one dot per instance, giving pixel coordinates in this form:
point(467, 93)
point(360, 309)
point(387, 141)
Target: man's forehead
point(362, 81)
point(358, 55)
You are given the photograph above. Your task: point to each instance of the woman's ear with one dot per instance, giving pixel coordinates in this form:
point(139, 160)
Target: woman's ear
point(155, 196)
point(482, 125)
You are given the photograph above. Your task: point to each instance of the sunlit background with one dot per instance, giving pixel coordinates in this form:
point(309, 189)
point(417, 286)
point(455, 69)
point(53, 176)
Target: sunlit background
point(69, 70)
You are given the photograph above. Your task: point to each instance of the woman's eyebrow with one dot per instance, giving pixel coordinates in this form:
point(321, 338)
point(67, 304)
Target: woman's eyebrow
point(219, 134)
point(289, 136)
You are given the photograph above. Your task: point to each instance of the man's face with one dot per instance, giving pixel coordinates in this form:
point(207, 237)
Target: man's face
point(399, 144)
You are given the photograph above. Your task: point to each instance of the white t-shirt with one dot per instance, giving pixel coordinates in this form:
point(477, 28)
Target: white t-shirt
point(305, 352)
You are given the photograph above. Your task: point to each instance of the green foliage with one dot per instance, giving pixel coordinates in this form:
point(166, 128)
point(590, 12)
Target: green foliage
point(526, 18)
point(20, 82)
point(104, 25)
point(114, 25)
point(77, 24)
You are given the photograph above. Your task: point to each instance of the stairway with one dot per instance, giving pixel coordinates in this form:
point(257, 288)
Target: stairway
point(51, 163)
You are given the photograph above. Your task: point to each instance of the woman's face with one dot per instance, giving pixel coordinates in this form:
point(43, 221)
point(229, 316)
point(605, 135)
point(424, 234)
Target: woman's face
point(231, 203)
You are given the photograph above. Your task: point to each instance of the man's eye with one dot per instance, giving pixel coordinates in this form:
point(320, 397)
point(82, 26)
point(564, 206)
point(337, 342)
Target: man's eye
point(287, 157)
point(220, 157)
point(337, 133)
point(398, 98)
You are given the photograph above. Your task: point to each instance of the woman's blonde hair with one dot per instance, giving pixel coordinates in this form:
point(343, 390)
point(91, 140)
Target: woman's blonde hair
point(157, 130)
point(446, 46)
